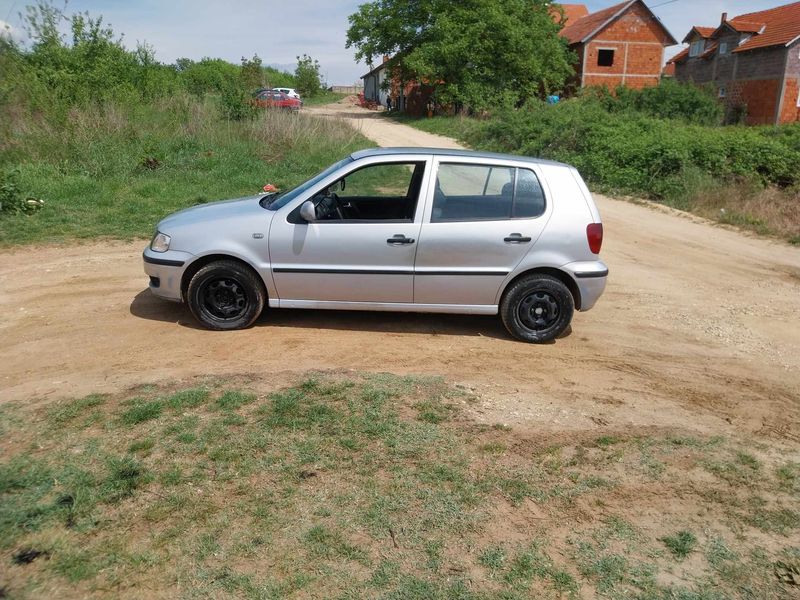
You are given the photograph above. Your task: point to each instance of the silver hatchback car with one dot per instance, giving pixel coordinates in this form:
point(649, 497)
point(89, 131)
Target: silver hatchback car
point(394, 229)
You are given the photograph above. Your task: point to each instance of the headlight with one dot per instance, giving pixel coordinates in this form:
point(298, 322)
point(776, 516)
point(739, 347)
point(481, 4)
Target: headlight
point(160, 242)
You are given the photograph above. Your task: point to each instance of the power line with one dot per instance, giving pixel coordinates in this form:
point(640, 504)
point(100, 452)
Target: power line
point(662, 4)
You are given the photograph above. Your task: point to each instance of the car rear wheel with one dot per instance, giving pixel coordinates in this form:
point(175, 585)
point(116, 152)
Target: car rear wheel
point(537, 308)
point(226, 295)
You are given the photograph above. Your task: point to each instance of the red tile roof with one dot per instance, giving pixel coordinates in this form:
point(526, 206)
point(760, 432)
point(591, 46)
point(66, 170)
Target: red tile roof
point(705, 32)
point(781, 25)
point(746, 26)
point(679, 56)
point(583, 28)
point(573, 12)
point(586, 27)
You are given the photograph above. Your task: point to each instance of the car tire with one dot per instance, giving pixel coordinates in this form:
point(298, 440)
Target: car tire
point(537, 308)
point(226, 295)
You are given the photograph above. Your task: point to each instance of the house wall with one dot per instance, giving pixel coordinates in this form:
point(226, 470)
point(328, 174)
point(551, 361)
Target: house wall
point(638, 42)
point(373, 84)
point(753, 78)
point(790, 110)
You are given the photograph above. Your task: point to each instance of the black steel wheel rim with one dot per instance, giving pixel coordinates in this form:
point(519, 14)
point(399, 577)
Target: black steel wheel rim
point(223, 299)
point(538, 311)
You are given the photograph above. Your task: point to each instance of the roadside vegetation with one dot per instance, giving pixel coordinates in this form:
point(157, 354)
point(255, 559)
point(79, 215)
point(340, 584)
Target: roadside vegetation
point(377, 486)
point(100, 141)
point(664, 144)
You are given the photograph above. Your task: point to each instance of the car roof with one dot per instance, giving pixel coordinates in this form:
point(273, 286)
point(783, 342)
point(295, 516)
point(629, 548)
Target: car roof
point(449, 152)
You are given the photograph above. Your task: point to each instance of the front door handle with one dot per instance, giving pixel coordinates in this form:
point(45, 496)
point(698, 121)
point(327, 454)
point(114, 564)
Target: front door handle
point(516, 238)
point(399, 239)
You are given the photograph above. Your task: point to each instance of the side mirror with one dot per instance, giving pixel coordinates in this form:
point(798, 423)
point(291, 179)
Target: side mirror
point(308, 212)
point(341, 185)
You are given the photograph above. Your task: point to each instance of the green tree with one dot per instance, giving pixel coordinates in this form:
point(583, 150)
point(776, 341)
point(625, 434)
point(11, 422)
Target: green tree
point(480, 53)
point(252, 74)
point(307, 78)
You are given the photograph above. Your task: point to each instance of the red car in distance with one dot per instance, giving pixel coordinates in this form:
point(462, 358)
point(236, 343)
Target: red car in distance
point(273, 99)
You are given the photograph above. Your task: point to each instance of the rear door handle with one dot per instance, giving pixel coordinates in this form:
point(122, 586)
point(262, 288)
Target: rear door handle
point(398, 239)
point(516, 238)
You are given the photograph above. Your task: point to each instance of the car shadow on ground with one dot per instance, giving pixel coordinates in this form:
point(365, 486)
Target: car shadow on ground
point(147, 306)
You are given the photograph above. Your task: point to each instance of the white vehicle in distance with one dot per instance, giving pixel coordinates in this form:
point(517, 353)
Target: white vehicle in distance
point(394, 229)
point(291, 92)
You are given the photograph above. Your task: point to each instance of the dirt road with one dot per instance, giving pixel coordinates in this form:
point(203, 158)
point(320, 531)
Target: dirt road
point(699, 330)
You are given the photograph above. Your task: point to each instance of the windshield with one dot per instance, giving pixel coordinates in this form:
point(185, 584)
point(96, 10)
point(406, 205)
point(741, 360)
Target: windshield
point(277, 201)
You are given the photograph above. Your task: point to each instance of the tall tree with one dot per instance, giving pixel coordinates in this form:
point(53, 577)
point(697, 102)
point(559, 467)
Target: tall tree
point(307, 77)
point(476, 52)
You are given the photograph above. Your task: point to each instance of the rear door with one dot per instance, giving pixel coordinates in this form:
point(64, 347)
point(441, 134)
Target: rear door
point(483, 218)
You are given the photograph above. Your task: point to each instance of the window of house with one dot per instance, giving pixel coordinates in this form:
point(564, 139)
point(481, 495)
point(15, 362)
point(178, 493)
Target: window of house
point(485, 193)
point(605, 57)
point(723, 47)
point(696, 49)
point(798, 97)
point(723, 92)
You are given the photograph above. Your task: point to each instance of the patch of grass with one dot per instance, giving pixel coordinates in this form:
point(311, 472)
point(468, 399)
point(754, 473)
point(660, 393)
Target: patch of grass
point(323, 97)
point(357, 496)
point(70, 410)
point(743, 470)
point(91, 177)
point(125, 475)
point(493, 558)
point(681, 544)
point(141, 411)
point(233, 399)
point(788, 476)
point(773, 520)
point(604, 441)
point(185, 399)
point(324, 543)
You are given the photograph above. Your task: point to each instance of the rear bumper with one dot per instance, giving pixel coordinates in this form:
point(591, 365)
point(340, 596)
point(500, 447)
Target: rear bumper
point(591, 277)
point(165, 270)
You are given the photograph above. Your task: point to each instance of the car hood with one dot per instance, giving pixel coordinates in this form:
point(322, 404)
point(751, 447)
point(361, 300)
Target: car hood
point(214, 211)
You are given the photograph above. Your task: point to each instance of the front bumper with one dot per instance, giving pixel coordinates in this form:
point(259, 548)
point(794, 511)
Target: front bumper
point(165, 270)
point(591, 277)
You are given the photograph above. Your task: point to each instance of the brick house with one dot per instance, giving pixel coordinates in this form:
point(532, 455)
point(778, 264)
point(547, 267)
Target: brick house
point(753, 62)
point(620, 45)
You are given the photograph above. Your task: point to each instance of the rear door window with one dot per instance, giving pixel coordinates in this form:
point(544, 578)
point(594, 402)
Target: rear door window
point(467, 192)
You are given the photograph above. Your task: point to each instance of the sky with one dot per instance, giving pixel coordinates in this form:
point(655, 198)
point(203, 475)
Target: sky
point(280, 30)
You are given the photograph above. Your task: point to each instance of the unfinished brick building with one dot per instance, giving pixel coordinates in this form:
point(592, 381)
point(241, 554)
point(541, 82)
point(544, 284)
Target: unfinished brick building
point(620, 45)
point(753, 62)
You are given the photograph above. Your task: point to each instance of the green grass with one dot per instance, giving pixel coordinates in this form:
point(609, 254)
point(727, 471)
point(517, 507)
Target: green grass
point(680, 544)
point(324, 97)
point(115, 171)
point(372, 486)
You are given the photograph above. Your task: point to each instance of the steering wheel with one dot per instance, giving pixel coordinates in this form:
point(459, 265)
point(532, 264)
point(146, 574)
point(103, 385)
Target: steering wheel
point(328, 207)
point(337, 205)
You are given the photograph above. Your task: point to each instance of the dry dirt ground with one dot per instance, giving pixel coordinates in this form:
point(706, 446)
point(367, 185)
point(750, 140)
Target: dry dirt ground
point(699, 330)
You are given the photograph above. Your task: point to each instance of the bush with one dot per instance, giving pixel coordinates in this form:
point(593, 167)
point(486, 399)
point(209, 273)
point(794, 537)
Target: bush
point(631, 152)
point(668, 100)
point(12, 200)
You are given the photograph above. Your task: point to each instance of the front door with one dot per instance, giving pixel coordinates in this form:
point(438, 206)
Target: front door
point(362, 245)
point(482, 221)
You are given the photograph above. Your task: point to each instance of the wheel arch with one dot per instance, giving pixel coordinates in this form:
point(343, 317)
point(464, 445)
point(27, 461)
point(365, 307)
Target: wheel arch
point(201, 262)
point(562, 276)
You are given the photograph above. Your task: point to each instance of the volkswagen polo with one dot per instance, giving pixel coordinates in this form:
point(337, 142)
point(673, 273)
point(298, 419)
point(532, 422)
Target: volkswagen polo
point(394, 229)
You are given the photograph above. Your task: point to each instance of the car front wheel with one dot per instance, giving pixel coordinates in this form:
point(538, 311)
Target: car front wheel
point(537, 308)
point(226, 295)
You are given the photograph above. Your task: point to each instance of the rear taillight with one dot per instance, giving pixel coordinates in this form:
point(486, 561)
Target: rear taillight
point(594, 235)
